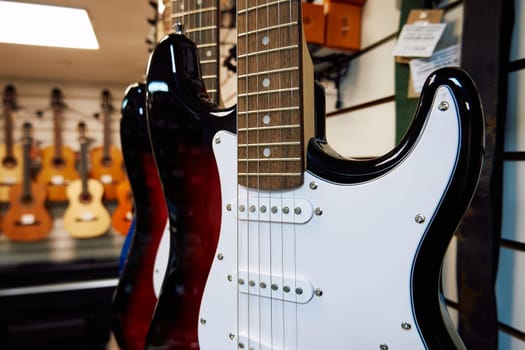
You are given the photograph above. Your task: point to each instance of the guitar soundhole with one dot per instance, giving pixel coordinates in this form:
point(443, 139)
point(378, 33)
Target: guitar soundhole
point(27, 199)
point(106, 161)
point(84, 198)
point(9, 162)
point(58, 162)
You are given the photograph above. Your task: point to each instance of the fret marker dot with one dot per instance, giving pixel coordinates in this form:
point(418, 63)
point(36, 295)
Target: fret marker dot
point(265, 40)
point(266, 152)
point(208, 53)
point(266, 82)
point(266, 119)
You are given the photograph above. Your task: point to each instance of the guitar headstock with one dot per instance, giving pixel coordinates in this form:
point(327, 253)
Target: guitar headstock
point(27, 138)
point(57, 99)
point(107, 105)
point(10, 97)
point(82, 133)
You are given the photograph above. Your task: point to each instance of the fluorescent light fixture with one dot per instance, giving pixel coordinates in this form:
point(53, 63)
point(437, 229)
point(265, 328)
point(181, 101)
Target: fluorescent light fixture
point(45, 25)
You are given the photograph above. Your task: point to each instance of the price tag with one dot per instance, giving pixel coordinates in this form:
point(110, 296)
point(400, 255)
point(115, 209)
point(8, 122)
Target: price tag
point(421, 68)
point(27, 219)
point(87, 216)
point(57, 180)
point(419, 39)
point(106, 179)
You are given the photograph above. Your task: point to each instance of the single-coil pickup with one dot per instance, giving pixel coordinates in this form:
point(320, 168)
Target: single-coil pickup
point(295, 290)
point(281, 210)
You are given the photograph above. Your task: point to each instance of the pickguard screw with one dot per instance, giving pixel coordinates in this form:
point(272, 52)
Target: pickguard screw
point(252, 283)
point(286, 289)
point(318, 211)
point(274, 210)
point(313, 185)
point(263, 209)
point(406, 326)
point(252, 208)
point(241, 346)
point(230, 278)
point(220, 256)
point(297, 210)
point(420, 218)
point(241, 281)
point(228, 207)
point(262, 285)
point(203, 321)
point(275, 287)
point(318, 292)
point(443, 106)
point(298, 291)
point(231, 336)
point(241, 208)
point(217, 140)
point(286, 210)
point(383, 347)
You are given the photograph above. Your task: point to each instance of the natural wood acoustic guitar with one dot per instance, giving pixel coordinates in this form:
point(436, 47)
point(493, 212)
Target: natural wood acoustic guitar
point(85, 216)
point(11, 162)
point(27, 218)
point(106, 160)
point(123, 214)
point(58, 161)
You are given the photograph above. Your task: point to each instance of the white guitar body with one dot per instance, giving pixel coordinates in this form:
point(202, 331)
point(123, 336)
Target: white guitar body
point(327, 265)
point(161, 260)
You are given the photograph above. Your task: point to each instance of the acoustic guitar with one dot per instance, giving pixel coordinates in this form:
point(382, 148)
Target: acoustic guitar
point(11, 166)
point(123, 214)
point(106, 160)
point(27, 218)
point(58, 160)
point(85, 215)
point(316, 248)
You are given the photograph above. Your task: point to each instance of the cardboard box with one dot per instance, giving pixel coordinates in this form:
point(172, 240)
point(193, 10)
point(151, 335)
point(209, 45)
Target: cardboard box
point(313, 23)
point(343, 25)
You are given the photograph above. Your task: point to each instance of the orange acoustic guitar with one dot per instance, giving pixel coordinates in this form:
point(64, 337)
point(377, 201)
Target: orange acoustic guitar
point(107, 161)
point(123, 214)
point(58, 161)
point(85, 216)
point(11, 165)
point(27, 218)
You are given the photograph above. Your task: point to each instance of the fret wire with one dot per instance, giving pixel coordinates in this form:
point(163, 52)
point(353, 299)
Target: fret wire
point(268, 92)
point(293, 159)
point(209, 77)
point(281, 70)
point(293, 126)
point(270, 174)
point(200, 29)
point(277, 26)
point(200, 46)
point(290, 47)
point(290, 143)
point(278, 2)
point(293, 108)
point(208, 61)
point(191, 12)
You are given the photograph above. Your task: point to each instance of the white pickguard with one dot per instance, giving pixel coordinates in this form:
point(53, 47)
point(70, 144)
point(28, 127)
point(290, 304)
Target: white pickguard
point(352, 256)
point(161, 260)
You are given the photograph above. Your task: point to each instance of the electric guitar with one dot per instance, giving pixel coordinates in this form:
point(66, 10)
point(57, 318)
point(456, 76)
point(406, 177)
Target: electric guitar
point(27, 218)
point(11, 166)
point(58, 160)
point(135, 298)
point(183, 120)
point(318, 249)
point(107, 162)
point(123, 214)
point(85, 215)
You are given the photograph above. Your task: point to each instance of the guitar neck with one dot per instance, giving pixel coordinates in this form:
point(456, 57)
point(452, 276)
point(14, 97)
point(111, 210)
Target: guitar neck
point(57, 131)
point(8, 130)
point(107, 135)
point(273, 122)
point(84, 167)
point(27, 170)
point(201, 21)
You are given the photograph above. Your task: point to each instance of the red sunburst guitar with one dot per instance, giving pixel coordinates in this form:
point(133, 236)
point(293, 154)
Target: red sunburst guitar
point(27, 219)
point(11, 159)
point(106, 161)
point(85, 216)
point(58, 160)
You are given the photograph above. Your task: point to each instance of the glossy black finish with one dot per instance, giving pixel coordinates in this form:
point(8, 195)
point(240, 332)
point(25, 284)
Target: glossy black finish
point(182, 125)
point(432, 319)
point(134, 299)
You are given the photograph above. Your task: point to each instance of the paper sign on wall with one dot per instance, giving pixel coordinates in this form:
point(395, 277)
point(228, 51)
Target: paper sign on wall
point(420, 69)
point(419, 39)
